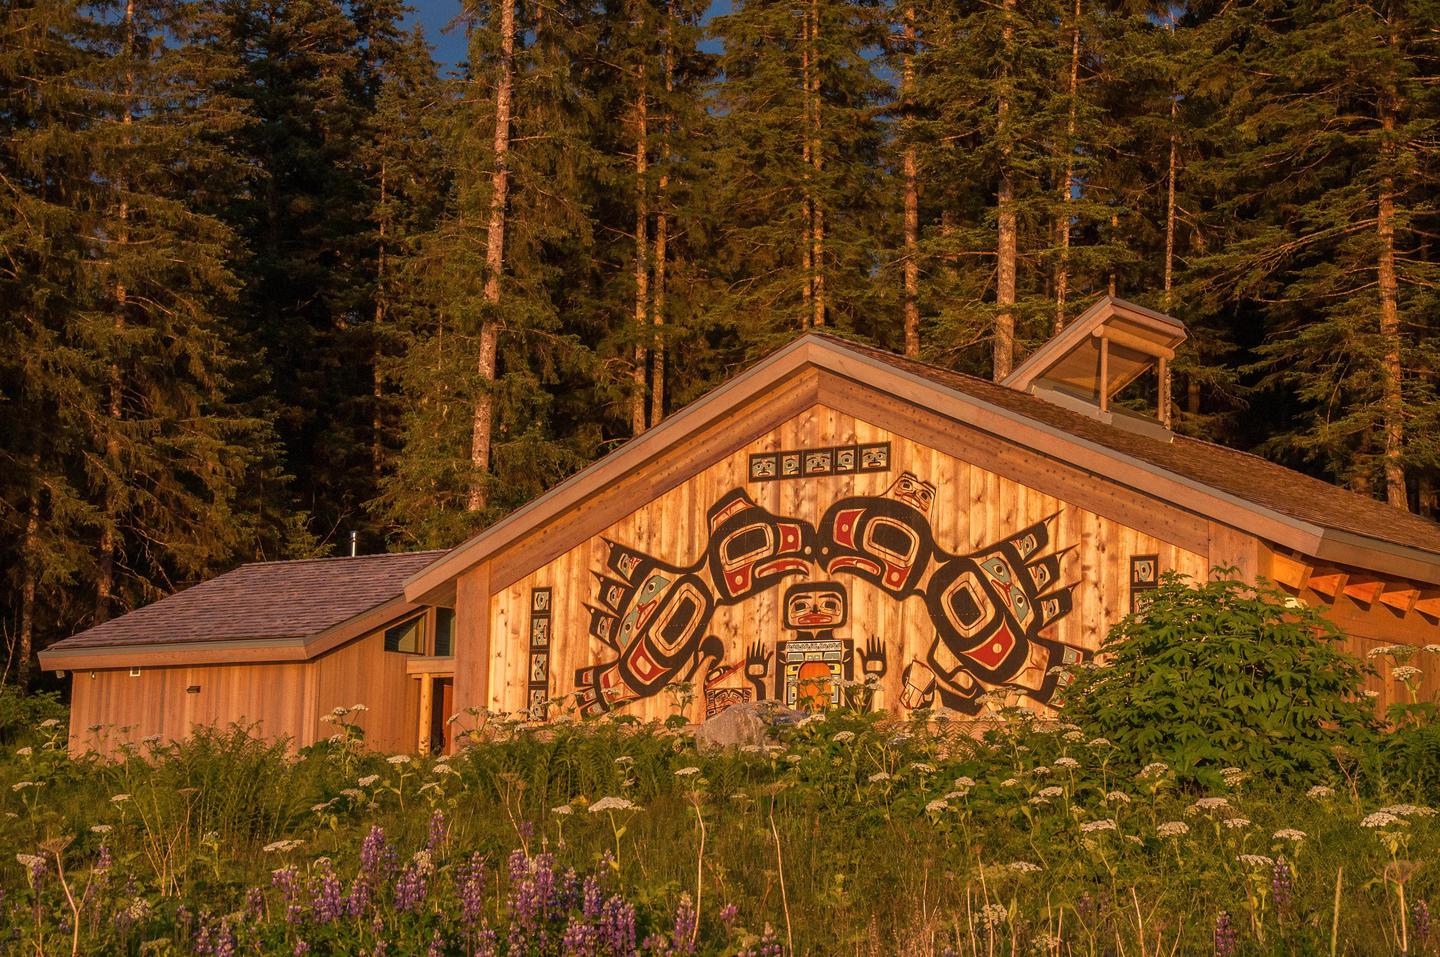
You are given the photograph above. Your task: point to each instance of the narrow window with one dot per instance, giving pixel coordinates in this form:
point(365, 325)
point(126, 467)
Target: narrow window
point(407, 637)
point(444, 632)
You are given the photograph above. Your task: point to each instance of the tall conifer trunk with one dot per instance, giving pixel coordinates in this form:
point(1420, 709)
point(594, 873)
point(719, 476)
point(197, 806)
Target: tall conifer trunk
point(662, 232)
point(377, 378)
point(642, 249)
point(1067, 186)
point(817, 206)
point(484, 417)
point(807, 212)
point(105, 567)
point(1003, 353)
point(912, 194)
point(1392, 402)
point(29, 562)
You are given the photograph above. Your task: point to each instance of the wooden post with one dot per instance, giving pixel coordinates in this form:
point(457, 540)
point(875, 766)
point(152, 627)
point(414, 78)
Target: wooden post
point(427, 695)
point(1104, 374)
point(1163, 401)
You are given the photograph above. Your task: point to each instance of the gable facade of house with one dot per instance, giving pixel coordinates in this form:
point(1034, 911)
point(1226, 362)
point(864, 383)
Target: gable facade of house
point(836, 517)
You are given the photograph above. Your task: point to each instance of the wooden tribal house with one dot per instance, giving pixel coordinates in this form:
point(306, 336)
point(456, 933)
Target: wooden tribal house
point(838, 513)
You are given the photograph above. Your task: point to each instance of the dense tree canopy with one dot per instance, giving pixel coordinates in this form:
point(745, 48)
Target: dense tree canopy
point(268, 275)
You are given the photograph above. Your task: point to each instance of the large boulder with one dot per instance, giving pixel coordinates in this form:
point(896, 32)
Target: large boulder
point(748, 723)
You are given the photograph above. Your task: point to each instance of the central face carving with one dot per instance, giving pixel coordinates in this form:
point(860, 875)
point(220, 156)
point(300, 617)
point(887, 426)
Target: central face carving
point(810, 607)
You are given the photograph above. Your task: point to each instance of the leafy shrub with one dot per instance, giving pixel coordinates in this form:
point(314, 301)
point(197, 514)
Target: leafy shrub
point(1226, 674)
point(20, 713)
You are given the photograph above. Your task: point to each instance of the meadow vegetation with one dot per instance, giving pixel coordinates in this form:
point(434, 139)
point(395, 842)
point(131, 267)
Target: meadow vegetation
point(852, 833)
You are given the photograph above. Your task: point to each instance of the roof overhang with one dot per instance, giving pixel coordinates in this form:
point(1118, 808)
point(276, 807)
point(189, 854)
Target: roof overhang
point(814, 357)
point(296, 648)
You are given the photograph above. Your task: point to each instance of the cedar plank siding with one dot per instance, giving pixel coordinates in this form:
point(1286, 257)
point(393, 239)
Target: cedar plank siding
point(974, 507)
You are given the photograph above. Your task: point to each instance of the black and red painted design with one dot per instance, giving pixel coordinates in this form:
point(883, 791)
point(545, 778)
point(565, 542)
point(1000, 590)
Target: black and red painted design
point(538, 681)
point(988, 608)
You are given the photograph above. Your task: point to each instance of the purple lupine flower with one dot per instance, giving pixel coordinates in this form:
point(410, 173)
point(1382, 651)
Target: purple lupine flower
point(617, 926)
point(439, 832)
point(1281, 883)
point(410, 888)
point(104, 860)
point(728, 915)
point(768, 946)
point(437, 945)
point(581, 939)
point(470, 887)
point(301, 949)
point(183, 919)
point(326, 900)
point(1224, 935)
point(1420, 922)
point(592, 898)
point(202, 946)
point(526, 830)
point(683, 936)
point(225, 940)
point(287, 879)
point(486, 942)
point(255, 903)
point(358, 899)
point(376, 857)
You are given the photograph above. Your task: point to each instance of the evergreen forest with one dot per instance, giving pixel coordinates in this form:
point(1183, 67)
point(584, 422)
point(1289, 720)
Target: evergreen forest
point(270, 274)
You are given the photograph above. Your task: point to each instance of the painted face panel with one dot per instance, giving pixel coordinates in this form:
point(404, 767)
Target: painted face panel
point(815, 606)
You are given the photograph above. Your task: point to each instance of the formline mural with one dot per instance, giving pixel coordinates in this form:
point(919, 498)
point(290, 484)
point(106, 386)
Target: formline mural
point(987, 610)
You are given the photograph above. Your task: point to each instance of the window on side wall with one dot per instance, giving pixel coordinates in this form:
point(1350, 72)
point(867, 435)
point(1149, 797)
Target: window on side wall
point(407, 637)
point(444, 632)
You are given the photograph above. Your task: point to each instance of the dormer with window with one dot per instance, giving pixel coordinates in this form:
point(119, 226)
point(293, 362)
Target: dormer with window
point(1112, 363)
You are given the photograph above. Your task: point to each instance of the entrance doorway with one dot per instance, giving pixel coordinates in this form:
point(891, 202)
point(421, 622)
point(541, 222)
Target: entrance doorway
point(442, 705)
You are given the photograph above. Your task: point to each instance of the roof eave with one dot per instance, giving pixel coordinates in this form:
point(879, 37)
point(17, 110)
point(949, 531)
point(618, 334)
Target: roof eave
point(297, 648)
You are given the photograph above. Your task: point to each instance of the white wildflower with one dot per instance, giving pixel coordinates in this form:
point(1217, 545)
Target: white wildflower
point(1255, 860)
point(686, 772)
point(920, 767)
point(368, 780)
point(1209, 804)
point(100, 829)
point(1370, 693)
point(281, 847)
point(30, 861)
point(1154, 769)
point(1320, 791)
point(843, 737)
point(1009, 783)
point(1233, 776)
point(1104, 824)
point(119, 798)
point(1052, 792)
point(1066, 763)
point(1236, 823)
point(1117, 797)
point(398, 759)
point(352, 793)
point(1289, 834)
point(1100, 743)
point(624, 760)
point(23, 785)
point(612, 804)
point(937, 805)
point(964, 782)
point(50, 723)
point(442, 768)
point(1374, 653)
point(1073, 736)
point(1380, 819)
point(1433, 649)
point(877, 777)
point(1023, 867)
point(25, 752)
point(358, 708)
point(1405, 673)
point(1173, 829)
point(562, 810)
point(1041, 772)
point(1408, 810)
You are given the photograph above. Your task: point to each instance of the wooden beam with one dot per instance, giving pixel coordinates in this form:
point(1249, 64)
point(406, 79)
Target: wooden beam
point(1329, 585)
point(1131, 341)
point(1427, 603)
point(1104, 374)
point(1400, 597)
point(1289, 573)
point(1364, 588)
